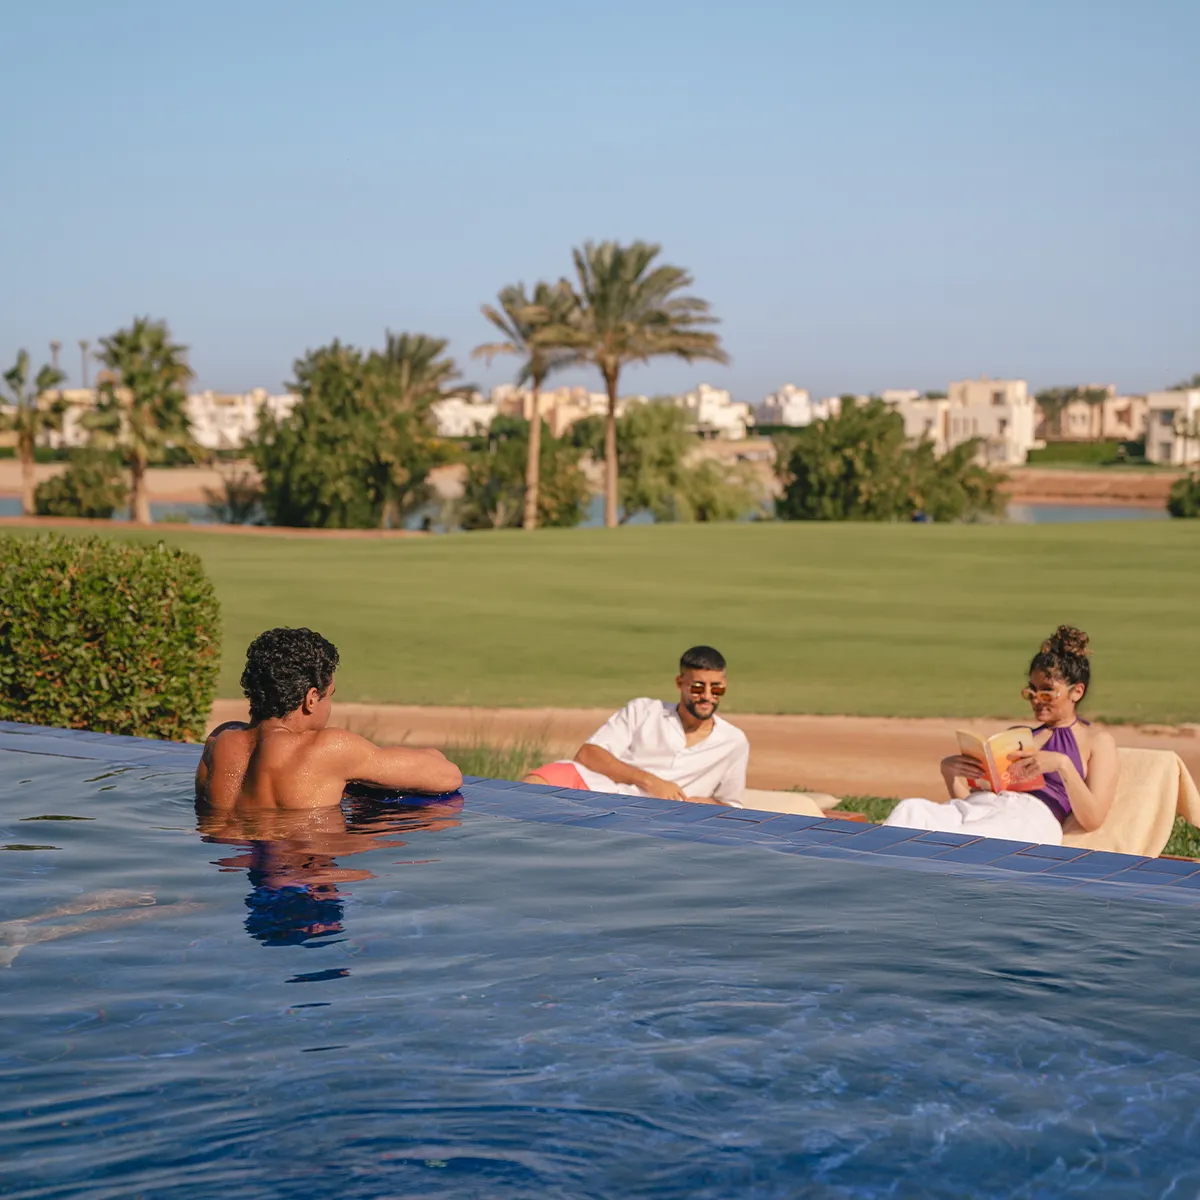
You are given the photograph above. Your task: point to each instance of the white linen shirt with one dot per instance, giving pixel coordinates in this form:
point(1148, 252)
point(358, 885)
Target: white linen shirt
point(649, 735)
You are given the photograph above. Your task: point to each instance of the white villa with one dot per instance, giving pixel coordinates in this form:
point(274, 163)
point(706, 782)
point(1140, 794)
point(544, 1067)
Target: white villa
point(714, 413)
point(220, 420)
point(793, 406)
point(228, 420)
point(463, 416)
point(1173, 427)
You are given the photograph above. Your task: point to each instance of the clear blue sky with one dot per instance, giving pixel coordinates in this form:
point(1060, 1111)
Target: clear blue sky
point(871, 193)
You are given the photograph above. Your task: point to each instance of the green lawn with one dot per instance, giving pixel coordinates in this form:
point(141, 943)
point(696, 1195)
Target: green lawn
point(905, 620)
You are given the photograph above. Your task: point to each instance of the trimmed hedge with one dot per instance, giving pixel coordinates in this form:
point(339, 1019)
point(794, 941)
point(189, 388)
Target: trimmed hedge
point(1098, 453)
point(107, 635)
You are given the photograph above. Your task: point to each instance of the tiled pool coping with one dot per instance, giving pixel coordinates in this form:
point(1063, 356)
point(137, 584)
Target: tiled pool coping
point(1162, 880)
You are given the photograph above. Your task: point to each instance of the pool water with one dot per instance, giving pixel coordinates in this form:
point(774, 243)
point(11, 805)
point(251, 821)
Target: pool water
point(398, 1001)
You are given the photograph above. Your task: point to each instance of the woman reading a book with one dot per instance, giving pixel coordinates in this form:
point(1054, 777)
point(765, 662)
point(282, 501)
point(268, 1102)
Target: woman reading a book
point(1024, 784)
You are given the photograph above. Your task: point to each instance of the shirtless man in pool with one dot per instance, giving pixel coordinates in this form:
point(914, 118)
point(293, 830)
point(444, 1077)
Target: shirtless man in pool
point(287, 757)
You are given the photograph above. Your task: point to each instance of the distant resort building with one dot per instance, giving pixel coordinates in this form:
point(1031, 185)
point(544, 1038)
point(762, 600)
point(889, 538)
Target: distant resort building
point(463, 416)
point(792, 407)
point(219, 420)
point(714, 413)
point(1173, 427)
point(1096, 414)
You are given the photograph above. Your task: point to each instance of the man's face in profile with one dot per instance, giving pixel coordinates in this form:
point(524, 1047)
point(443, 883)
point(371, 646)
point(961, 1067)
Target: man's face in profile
point(700, 692)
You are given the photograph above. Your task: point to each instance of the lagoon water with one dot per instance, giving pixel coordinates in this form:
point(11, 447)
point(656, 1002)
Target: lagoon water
point(433, 1002)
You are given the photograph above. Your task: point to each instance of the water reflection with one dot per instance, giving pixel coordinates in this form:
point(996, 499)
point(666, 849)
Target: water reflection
point(297, 887)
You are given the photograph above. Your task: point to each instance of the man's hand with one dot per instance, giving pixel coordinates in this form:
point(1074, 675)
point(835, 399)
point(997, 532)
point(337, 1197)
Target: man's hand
point(660, 788)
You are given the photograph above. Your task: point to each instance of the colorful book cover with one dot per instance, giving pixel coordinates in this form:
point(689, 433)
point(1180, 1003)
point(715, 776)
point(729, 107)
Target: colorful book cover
point(995, 755)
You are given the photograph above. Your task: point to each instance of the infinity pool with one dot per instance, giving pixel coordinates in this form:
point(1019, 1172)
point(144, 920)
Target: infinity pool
point(438, 1002)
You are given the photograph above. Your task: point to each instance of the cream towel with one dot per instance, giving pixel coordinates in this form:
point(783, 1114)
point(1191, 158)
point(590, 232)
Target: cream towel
point(800, 804)
point(1153, 788)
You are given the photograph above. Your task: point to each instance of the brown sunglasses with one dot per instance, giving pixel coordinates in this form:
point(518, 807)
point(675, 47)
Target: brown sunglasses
point(1042, 695)
point(698, 689)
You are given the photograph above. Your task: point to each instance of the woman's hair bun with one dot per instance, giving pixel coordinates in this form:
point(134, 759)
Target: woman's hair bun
point(1066, 639)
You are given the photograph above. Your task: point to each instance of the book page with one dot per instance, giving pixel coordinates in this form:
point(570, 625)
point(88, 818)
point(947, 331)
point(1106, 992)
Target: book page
point(975, 747)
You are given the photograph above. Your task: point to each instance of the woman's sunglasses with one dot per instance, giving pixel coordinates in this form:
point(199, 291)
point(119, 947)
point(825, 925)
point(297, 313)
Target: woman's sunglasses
point(698, 689)
point(1041, 695)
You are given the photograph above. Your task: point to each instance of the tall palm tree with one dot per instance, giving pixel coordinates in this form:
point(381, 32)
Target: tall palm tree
point(519, 318)
point(629, 310)
point(141, 409)
point(30, 417)
point(416, 372)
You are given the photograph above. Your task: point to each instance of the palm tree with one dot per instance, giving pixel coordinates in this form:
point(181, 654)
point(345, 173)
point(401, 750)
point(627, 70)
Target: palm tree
point(141, 408)
point(420, 372)
point(84, 346)
point(416, 374)
point(518, 319)
point(30, 418)
point(628, 310)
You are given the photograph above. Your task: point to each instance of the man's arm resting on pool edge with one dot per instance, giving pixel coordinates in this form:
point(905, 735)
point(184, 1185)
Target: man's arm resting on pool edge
point(597, 759)
point(399, 767)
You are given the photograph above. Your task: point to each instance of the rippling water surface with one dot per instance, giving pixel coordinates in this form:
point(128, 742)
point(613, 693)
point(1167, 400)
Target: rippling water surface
point(401, 1002)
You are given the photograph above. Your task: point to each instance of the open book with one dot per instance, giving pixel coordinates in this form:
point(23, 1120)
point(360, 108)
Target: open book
point(995, 756)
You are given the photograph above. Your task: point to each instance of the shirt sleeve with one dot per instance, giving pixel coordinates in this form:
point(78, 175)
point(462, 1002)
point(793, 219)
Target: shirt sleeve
point(733, 782)
point(616, 734)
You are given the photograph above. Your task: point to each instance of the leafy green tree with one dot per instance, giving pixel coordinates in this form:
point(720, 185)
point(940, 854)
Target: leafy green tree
point(1184, 498)
point(858, 466)
point(519, 318)
point(405, 380)
point(494, 495)
point(655, 475)
point(141, 411)
point(1185, 385)
point(33, 414)
point(714, 491)
point(91, 486)
point(350, 450)
point(628, 310)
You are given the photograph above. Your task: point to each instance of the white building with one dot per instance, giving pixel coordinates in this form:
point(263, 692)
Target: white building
point(925, 419)
point(560, 407)
point(219, 420)
point(463, 416)
point(1001, 412)
point(714, 413)
point(1173, 427)
point(228, 420)
point(793, 406)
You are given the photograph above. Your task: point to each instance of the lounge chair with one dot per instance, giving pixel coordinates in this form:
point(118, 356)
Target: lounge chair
point(1154, 789)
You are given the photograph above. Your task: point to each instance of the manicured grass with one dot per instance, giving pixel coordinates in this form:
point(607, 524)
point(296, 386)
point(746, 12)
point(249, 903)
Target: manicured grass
point(901, 620)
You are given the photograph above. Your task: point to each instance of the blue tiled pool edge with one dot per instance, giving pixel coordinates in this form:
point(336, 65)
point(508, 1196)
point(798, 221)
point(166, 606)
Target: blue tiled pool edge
point(1095, 872)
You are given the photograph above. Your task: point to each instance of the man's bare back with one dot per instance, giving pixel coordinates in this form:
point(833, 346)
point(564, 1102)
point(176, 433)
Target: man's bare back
point(287, 757)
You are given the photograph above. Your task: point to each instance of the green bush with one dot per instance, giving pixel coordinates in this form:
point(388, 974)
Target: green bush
point(1184, 498)
point(92, 486)
point(859, 466)
point(106, 635)
point(1100, 453)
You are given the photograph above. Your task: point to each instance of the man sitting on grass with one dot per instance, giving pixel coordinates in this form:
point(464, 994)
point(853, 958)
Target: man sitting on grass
point(678, 751)
point(287, 757)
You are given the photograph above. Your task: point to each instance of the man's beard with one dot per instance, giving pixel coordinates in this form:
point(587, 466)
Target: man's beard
point(690, 705)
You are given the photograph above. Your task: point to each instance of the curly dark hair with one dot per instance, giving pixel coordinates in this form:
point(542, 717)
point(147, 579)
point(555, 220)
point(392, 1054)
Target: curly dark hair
point(1065, 655)
point(702, 658)
point(281, 665)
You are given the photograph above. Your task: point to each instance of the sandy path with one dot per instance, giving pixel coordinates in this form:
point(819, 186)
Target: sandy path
point(848, 756)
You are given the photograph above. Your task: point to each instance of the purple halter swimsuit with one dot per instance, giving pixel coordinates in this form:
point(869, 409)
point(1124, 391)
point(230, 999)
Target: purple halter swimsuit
point(1054, 794)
